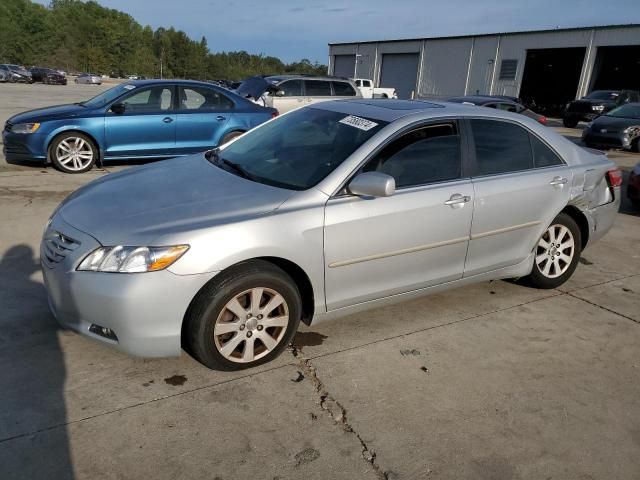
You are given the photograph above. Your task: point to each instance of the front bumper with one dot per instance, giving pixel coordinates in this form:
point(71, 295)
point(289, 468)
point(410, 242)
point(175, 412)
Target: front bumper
point(19, 146)
point(144, 310)
point(606, 140)
point(582, 116)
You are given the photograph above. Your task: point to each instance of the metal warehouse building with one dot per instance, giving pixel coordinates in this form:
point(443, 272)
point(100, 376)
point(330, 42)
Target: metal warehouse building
point(548, 67)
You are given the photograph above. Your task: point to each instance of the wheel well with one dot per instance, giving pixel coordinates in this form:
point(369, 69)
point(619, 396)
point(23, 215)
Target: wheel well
point(582, 222)
point(237, 130)
point(93, 140)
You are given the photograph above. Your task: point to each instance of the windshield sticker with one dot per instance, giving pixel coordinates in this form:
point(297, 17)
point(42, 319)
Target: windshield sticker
point(128, 87)
point(361, 123)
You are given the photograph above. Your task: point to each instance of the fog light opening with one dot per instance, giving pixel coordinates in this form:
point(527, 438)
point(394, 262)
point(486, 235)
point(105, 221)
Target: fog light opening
point(103, 332)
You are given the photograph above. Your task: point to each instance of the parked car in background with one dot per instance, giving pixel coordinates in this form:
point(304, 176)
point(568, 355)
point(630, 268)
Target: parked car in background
point(367, 89)
point(287, 92)
point(595, 104)
point(618, 128)
point(89, 79)
point(633, 187)
point(331, 209)
point(4, 74)
point(140, 119)
point(508, 104)
point(47, 76)
point(16, 73)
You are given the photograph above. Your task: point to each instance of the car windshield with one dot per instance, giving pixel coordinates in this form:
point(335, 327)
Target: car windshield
point(625, 111)
point(106, 97)
point(298, 150)
point(603, 95)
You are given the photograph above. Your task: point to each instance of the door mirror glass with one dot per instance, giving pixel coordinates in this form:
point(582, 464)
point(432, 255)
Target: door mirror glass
point(373, 184)
point(118, 108)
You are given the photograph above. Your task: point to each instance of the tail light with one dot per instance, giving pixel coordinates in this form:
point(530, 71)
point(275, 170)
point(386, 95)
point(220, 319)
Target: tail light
point(614, 177)
point(543, 120)
point(275, 113)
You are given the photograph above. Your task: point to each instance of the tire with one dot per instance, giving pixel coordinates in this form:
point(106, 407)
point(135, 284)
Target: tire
point(230, 136)
point(73, 152)
point(569, 122)
point(556, 254)
point(211, 312)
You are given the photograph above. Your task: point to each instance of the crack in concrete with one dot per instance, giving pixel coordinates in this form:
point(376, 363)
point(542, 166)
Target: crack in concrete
point(336, 410)
point(602, 308)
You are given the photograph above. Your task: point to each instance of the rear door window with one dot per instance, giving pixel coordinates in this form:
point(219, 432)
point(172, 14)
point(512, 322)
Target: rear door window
point(500, 147)
point(343, 89)
point(203, 99)
point(543, 156)
point(317, 88)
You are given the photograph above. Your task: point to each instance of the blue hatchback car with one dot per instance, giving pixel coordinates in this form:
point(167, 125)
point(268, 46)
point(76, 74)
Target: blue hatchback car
point(140, 119)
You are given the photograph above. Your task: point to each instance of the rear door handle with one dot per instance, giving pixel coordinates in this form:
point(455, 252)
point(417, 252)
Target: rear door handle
point(457, 200)
point(220, 118)
point(167, 119)
point(558, 181)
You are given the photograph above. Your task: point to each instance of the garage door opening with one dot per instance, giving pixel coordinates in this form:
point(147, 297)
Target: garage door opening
point(400, 71)
point(550, 78)
point(344, 65)
point(616, 68)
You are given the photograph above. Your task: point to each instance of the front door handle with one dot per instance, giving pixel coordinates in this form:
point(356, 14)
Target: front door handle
point(457, 200)
point(167, 119)
point(558, 181)
point(220, 118)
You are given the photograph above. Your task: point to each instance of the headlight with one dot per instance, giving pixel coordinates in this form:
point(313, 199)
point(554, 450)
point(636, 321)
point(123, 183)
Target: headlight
point(597, 108)
point(123, 259)
point(25, 127)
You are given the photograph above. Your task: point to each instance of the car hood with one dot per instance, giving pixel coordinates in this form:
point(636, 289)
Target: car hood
point(613, 124)
point(49, 113)
point(141, 204)
point(254, 87)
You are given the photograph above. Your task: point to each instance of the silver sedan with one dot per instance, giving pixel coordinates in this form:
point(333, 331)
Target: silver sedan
point(319, 213)
point(89, 79)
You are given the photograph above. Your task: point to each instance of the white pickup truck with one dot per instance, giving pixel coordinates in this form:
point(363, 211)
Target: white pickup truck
point(369, 91)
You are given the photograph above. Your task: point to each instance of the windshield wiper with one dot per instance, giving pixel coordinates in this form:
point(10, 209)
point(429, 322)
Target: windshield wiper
point(214, 157)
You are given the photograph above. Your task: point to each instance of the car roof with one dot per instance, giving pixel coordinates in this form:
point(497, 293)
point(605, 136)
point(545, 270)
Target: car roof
point(163, 81)
point(384, 109)
point(481, 99)
point(281, 78)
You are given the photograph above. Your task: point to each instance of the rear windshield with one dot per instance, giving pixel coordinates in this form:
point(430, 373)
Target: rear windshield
point(298, 150)
point(603, 95)
point(625, 111)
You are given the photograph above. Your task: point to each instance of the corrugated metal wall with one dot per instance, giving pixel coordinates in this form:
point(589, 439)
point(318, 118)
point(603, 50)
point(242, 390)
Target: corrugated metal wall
point(471, 65)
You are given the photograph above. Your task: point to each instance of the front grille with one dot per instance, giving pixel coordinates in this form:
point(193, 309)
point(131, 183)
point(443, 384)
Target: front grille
point(57, 246)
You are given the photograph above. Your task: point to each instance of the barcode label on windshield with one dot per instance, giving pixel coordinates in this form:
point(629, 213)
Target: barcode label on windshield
point(361, 123)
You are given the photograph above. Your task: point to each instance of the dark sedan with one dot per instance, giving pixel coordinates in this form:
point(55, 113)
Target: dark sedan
point(47, 76)
point(501, 103)
point(619, 128)
point(595, 104)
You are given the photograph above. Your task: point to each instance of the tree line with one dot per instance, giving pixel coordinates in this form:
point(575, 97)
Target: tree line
point(79, 36)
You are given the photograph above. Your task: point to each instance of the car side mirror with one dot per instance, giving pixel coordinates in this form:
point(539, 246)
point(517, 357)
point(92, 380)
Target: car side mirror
point(119, 108)
point(373, 184)
point(280, 93)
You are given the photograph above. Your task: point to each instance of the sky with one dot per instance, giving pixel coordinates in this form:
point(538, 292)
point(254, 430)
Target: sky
point(292, 30)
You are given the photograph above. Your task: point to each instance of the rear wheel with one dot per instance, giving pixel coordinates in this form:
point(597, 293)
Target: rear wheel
point(569, 122)
point(73, 152)
point(244, 318)
point(557, 253)
point(230, 136)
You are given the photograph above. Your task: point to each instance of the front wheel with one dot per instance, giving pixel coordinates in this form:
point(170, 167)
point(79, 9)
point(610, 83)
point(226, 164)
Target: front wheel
point(556, 254)
point(244, 318)
point(73, 152)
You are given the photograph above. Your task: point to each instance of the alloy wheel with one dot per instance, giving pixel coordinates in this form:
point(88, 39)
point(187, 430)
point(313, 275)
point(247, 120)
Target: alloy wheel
point(251, 325)
point(555, 251)
point(74, 153)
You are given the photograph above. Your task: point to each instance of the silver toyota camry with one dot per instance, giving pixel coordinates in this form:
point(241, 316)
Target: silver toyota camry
point(322, 212)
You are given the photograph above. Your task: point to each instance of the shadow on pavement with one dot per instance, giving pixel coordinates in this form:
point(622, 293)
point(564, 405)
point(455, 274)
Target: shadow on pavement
point(33, 376)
